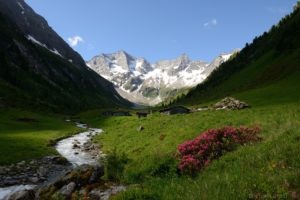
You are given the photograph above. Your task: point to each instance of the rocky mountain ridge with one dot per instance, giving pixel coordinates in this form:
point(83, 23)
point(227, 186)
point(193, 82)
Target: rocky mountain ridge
point(141, 82)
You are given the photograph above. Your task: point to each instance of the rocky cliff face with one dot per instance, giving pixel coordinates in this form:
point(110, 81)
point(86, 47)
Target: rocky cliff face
point(141, 82)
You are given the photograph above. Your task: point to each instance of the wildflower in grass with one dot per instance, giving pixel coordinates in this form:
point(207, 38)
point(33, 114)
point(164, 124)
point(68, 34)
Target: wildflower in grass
point(189, 164)
point(213, 143)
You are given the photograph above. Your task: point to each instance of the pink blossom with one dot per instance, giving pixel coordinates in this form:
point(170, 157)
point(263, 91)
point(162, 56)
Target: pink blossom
point(197, 153)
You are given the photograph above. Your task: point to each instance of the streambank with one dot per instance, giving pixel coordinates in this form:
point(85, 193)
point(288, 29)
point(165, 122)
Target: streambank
point(77, 167)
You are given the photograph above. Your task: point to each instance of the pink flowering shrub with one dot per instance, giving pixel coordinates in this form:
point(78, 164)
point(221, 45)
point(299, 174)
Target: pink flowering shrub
point(211, 144)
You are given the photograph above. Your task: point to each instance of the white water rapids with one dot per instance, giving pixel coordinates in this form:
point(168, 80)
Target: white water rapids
point(74, 156)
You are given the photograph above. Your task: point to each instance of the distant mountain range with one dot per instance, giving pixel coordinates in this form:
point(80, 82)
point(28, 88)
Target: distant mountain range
point(142, 82)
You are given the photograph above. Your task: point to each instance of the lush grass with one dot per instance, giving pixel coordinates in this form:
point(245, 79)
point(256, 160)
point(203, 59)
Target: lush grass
point(23, 140)
point(271, 167)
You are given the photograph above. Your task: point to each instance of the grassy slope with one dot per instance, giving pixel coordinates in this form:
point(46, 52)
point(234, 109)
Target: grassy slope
point(284, 69)
point(269, 168)
point(28, 140)
point(270, 83)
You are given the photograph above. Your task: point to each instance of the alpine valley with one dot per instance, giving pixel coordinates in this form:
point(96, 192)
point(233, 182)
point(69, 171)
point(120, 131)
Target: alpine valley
point(141, 82)
point(118, 127)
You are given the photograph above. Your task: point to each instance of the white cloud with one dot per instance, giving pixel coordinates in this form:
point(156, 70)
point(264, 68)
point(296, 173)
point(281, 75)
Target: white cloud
point(74, 41)
point(211, 23)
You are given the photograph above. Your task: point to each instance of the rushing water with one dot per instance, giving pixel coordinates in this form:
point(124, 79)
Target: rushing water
point(76, 157)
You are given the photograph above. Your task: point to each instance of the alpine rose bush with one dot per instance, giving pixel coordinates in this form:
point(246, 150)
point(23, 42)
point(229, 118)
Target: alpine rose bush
point(212, 144)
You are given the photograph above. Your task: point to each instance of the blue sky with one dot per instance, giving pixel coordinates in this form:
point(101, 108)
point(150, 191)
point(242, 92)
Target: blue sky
point(160, 29)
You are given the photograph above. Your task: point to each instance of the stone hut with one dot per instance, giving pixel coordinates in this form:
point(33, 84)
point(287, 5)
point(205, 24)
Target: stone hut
point(175, 110)
point(141, 114)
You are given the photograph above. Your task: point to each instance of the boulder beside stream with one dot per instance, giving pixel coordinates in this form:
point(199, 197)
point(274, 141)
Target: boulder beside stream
point(32, 172)
point(73, 180)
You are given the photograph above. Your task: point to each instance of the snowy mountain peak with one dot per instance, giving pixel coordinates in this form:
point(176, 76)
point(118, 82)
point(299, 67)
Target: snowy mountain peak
point(141, 82)
point(179, 62)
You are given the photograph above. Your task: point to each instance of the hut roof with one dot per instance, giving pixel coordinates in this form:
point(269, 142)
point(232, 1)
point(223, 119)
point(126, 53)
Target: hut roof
point(174, 108)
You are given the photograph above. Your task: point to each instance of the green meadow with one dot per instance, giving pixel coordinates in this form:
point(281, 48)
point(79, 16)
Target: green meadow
point(268, 169)
point(26, 135)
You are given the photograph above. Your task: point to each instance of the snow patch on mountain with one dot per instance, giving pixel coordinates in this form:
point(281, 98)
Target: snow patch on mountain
point(226, 56)
point(55, 52)
point(21, 6)
point(32, 39)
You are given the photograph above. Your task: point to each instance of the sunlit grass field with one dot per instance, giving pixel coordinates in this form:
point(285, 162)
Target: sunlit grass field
point(268, 169)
